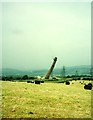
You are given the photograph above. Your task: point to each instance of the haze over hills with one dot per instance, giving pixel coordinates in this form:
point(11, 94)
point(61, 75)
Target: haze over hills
point(71, 70)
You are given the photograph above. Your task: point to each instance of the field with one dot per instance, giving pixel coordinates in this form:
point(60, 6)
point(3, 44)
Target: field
point(47, 100)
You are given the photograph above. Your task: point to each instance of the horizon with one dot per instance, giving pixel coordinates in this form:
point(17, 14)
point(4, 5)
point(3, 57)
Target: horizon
point(48, 68)
point(70, 70)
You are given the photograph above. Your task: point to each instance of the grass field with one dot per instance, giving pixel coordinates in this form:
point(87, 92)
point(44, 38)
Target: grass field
point(47, 100)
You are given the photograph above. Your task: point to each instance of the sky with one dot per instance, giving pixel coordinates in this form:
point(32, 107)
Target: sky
point(33, 33)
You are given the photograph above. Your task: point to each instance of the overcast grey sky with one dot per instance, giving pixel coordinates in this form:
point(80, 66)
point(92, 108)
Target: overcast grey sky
point(34, 33)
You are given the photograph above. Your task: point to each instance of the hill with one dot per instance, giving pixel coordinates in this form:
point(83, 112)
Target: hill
point(82, 70)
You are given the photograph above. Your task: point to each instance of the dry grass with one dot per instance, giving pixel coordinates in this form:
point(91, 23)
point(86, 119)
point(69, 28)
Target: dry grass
point(47, 100)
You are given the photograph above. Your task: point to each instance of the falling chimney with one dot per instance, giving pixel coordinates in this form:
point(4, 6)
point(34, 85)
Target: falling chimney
point(51, 68)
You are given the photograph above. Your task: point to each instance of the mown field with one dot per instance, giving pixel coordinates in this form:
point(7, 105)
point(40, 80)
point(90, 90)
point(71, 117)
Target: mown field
point(47, 100)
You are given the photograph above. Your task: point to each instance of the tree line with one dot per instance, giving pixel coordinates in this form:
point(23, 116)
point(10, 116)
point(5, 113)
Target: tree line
point(24, 77)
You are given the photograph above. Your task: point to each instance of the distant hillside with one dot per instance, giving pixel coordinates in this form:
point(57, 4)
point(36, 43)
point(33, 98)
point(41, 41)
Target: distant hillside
point(9, 71)
point(82, 70)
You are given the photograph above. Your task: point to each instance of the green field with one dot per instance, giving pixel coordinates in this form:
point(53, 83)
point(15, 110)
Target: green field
point(47, 100)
